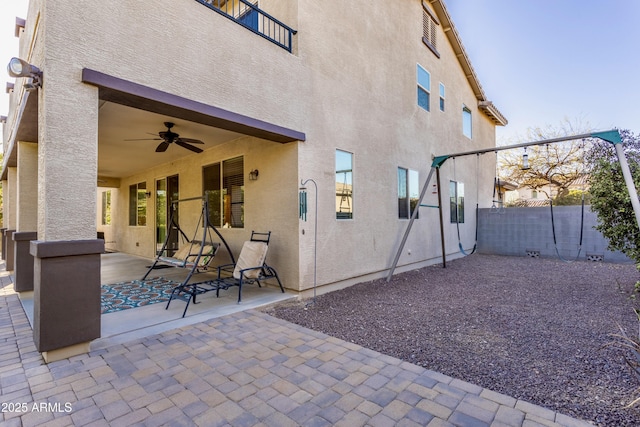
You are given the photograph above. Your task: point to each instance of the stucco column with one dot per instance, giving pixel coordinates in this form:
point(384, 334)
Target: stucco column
point(27, 215)
point(67, 253)
point(9, 196)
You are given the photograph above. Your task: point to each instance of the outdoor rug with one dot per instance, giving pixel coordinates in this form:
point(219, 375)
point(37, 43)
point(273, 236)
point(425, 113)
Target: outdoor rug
point(136, 293)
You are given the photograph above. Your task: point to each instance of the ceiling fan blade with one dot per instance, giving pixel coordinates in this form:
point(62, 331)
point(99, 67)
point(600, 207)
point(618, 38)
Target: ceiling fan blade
point(145, 139)
point(191, 140)
point(162, 147)
point(181, 143)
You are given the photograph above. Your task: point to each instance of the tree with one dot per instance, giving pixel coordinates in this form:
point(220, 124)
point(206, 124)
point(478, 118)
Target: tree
point(555, 165)
point(610, 198)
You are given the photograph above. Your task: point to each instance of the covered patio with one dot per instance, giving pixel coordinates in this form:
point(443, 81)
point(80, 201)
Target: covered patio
point(139, 322)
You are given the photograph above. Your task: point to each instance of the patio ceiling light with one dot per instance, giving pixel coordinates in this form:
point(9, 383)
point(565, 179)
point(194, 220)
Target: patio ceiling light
point(20, 68)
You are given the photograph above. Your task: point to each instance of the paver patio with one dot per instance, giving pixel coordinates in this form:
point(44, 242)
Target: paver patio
point(242, 369)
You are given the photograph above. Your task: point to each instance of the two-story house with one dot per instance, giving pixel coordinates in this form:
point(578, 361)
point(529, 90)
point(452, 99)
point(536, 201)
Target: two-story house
point(357, 96)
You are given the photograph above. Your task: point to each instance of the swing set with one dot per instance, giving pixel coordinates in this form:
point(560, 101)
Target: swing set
point(611, 136)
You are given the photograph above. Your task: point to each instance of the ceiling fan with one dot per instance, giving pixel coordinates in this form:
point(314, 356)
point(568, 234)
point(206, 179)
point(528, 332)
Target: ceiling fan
point(167, 137)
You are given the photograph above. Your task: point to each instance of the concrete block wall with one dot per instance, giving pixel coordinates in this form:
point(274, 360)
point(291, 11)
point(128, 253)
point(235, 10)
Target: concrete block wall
point(528, 232)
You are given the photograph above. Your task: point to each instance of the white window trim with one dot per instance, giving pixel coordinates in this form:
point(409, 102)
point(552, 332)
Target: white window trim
point(466, 109)
point(428, 90)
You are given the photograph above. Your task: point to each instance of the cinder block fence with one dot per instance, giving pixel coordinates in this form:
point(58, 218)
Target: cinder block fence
point(528, 232)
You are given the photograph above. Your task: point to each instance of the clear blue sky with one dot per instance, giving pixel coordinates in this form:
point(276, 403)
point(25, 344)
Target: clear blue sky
point(541, 61)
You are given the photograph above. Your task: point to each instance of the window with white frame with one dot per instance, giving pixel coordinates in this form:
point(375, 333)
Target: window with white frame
point(344, 185)
point(456, 201)
point(224, 184)
point(408, 192)
point(467, 126)
point(442, 97)
point(424, 87)
point(138, 204)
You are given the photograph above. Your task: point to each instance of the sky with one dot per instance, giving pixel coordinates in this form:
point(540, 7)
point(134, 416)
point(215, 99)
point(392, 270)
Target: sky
point(539, 61)
point(9, 9)
point(543, 61)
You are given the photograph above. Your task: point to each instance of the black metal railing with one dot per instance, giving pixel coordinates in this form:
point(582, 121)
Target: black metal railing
point(254, 19)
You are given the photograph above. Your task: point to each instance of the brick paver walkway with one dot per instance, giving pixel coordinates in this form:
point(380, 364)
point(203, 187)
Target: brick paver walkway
point(245, 369)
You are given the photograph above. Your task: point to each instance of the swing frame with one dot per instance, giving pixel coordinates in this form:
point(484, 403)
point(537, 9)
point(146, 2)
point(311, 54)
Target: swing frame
point(612, 136)
point(188, 291)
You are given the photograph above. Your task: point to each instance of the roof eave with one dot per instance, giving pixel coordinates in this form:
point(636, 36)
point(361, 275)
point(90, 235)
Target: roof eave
point(493, 113)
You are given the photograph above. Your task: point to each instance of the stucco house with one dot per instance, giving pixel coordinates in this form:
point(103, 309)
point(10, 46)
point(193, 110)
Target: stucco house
point(357, 96)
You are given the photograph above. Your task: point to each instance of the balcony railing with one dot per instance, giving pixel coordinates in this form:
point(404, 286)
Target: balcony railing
point(254, 19)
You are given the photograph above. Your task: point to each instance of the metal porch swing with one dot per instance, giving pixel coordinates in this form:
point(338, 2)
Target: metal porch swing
point(195, 254)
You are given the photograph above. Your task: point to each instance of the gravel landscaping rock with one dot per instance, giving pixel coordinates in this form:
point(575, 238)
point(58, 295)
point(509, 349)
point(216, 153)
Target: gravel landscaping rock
point(535, 329)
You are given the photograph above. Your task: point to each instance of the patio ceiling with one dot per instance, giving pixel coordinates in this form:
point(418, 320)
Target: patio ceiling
point(118, 157)
point(129, 110)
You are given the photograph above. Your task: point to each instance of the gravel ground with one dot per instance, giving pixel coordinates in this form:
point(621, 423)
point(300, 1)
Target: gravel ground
point(530, 328)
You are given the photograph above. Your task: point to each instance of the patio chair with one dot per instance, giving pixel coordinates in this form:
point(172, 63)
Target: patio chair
point(250, 267)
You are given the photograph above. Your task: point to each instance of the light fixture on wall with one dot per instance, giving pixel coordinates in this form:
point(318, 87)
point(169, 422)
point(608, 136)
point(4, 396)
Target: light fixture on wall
point(20, 68)
point(525, 160)
point(253, 175)
point(148, 194)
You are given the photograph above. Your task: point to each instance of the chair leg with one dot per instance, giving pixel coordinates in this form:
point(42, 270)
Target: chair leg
point(171, 297)
point(275, 274)
point(187, 305)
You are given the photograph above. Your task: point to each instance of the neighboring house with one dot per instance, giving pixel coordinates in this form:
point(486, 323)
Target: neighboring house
point(535, 197)
point(357, 96)
point(504, 192)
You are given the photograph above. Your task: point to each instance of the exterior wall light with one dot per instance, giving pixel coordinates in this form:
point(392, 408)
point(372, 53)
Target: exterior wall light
point(20, 68)
point(253, 175)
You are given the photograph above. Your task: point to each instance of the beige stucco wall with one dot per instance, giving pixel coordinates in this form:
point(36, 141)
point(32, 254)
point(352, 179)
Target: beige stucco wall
point(350, 84)
point(27, 187)
point(10, 199)
point(364, 92)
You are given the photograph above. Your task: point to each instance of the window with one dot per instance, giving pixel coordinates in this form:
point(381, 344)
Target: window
point(456, 201)
point(429, 30)
point(225, 185)
point(466, 121)
point(408, 192)
point(424, 87)
point(344, 185)
point(106, 207)
point(534, 194)
point(138, 204)
point(441, 97)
